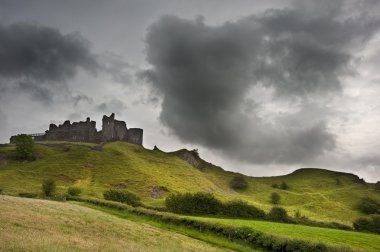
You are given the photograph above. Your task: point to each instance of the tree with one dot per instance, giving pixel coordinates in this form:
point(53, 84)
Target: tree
point(377, 186)
point(284, 185)
point(48, 187)
point(278, 214)
point(238, 183)
point(275, 198)
point(24, 146)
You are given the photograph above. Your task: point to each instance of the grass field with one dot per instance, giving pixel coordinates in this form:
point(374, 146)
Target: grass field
point(314, 192)
point(355, 240)
point(40, 225)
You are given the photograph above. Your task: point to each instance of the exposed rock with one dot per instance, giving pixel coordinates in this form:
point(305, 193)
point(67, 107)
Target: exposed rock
point(158, 191)
point(189, 156)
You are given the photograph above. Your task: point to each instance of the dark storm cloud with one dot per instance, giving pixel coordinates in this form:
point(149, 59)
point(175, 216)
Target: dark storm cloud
point(205, 74)
point(40, 59)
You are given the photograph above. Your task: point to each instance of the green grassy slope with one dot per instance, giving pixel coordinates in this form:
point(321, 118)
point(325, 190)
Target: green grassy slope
point(41, 225)
point(314, 192)
point(354, 240)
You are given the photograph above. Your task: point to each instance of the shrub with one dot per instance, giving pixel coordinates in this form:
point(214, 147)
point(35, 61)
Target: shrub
point(377, 186)
point(239, 208)
point(24, 146)
point(122, 196)
point(275, 198)
point(28, 195)
point(74, 191)
point(275, 185)
point(48, 187)
point(189, 203)
point(1, 190)
point(369, 206)
point(278, 214)
point(284, 186)
point(238, 183)
point(368, 224)
point(338, 182)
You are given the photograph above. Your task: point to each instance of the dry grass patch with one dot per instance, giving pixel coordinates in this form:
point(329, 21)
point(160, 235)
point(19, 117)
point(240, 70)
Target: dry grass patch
point(39, 225)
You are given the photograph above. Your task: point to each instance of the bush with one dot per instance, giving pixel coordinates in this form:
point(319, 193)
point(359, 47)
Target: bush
point(275, 185)
point(122, 196)
point(241, 209)
point(1, 190)
point(275, 198)
point(377, 186)
point(238, 183)
point(278, 214)
point(24, 146)
point(48, 187)
point(369, 206)
point(198, 203)
point(284, 186)
point(28, 195)
point(74, 191)
point(368, 224)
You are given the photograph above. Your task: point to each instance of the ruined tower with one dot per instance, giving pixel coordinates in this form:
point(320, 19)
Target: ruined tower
point(112, 130)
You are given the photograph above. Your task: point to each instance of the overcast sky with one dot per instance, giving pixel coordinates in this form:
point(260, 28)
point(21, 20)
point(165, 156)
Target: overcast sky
point(259, 87)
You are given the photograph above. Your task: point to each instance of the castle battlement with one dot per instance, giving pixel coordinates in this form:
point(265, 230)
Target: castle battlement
point(85, 131)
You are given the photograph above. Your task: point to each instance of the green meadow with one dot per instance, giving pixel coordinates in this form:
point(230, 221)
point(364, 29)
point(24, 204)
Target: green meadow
point(315, 193)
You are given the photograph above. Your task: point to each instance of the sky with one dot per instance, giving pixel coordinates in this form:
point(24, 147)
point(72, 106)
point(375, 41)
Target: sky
point(258, 87)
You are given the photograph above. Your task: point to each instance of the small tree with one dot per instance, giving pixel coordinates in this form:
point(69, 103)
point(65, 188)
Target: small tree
point(275, 198)
point(238, 183)
point(377, 186)
point(74, 191)
point(278, 214)
point(284, 185)
point(48, 187)
point(24, 146)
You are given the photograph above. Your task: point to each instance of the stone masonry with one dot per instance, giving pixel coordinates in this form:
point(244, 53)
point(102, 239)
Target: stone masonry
point(112, 130)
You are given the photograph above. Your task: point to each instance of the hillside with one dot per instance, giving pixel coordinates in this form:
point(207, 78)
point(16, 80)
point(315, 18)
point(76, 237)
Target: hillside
point(319, 194)
point(41, 225)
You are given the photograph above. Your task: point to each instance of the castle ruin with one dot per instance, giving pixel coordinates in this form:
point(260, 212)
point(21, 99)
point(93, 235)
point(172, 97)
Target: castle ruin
point(112, 130)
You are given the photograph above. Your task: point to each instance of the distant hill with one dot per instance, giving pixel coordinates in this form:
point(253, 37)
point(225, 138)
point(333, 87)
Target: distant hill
point(153, 174)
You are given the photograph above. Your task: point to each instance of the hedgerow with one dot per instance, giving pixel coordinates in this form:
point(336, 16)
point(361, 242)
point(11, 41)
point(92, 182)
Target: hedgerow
point(244, 234)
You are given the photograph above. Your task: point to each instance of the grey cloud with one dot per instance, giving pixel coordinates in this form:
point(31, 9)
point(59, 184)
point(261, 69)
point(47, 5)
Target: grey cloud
point(112, 106)
point(40, 59)
point(205, 73)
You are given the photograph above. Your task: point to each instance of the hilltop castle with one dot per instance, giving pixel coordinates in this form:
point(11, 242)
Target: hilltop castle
point(112, 130)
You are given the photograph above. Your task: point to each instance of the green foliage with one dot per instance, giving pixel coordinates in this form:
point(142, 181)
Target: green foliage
point(239, 208)
point(243, 234)
point(338, 182)
point(377, 186)
point(369, 206)
point(371, 224)
point(24, 146)
point(284, 186)
point(28, 195)
point(48, 187)
point(193, 203)
point(278, 214)
point(74, 191)
point(238, 183)
point(275, 185)
point(122, 196)
point(1, 190)
point(275, 198)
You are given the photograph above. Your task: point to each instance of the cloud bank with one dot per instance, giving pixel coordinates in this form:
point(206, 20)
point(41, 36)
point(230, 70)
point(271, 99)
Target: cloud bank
point(255, 89)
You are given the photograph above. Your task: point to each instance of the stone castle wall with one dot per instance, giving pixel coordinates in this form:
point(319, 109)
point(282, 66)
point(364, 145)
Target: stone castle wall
point(112, 130)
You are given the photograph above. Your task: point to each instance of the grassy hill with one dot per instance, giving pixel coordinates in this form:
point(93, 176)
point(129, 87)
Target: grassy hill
point(316, 193)
point(41, 225)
